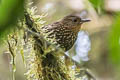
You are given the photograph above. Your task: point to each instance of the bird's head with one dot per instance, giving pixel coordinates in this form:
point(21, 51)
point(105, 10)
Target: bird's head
point(73, 22)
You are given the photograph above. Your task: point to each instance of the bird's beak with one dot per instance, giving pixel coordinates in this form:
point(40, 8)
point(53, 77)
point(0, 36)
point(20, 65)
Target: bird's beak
point(85, 20)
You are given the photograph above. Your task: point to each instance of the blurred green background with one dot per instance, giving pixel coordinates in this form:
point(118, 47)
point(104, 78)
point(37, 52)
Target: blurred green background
point(104, 32)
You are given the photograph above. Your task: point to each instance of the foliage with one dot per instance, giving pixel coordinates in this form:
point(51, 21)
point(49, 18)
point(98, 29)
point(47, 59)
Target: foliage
point(114, 41)
point(98, 5)
point(10, 10)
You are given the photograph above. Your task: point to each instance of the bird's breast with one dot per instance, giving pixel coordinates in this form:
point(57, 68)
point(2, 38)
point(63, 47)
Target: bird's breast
point(61, 36)
point(66, 39)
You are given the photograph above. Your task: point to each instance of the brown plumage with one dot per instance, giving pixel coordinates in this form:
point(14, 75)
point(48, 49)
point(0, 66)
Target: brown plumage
point(63, 32)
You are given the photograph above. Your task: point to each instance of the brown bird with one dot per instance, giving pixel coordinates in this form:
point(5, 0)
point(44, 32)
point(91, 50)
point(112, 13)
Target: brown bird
point(63, 32)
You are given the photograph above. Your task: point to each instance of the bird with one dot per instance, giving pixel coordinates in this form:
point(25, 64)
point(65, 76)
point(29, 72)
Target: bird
point(64, 31)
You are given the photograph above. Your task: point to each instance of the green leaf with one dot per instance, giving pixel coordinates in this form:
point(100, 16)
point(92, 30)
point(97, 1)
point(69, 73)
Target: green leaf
point(98, 5)
point(10, 10)
point(114, 41)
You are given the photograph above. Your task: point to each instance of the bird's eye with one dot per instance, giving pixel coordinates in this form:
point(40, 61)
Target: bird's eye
point(75, 20)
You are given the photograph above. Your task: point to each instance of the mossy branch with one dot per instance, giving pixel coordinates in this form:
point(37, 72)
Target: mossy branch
point(46, 62)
